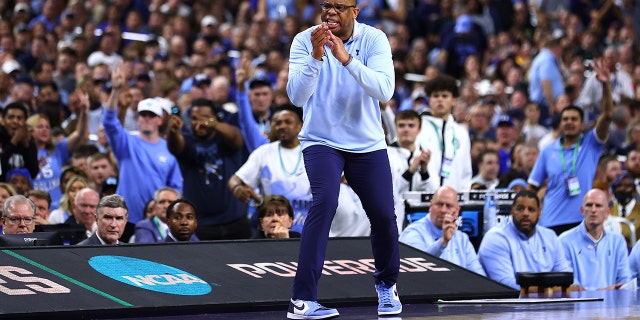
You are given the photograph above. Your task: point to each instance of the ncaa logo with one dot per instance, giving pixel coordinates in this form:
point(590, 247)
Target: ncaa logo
point(150, 275)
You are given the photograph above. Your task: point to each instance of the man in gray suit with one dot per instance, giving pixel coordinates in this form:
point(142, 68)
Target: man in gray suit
point(111, 217)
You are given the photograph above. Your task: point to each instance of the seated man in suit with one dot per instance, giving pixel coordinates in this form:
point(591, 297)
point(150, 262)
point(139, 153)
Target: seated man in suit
point(182, 221)
point(111, 217)
point(437, 233)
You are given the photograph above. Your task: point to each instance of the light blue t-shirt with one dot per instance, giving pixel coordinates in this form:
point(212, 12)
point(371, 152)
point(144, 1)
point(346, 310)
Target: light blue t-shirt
point(144, 167)
point(48, 178)
point(544, 67)
point(559, 207)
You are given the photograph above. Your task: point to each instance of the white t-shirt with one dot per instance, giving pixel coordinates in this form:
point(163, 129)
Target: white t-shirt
point(281, 171)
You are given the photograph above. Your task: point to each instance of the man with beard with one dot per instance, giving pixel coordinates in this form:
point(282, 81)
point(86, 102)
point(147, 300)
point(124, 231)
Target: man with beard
point(521, 245)
point(598, 257)
point(208, 156)
point(339, 72)
point(570, 162)
point(277, 168)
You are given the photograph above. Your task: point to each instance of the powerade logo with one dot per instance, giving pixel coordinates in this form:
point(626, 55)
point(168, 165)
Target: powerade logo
point(150, 275)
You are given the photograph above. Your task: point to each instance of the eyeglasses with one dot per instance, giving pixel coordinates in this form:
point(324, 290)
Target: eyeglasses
point(16, 220)
point(339, 7)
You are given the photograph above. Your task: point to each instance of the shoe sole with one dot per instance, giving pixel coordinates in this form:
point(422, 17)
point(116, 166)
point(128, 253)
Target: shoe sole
point(389, 313)
point(300, 316)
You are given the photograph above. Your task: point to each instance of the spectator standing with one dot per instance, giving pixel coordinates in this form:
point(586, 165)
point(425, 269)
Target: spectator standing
point(578, 155)
point(18, 148)
point(144, 161)
point(448, 141)
point(277, 168)
point(51, 157)
point(209, 155)
point(545, 76)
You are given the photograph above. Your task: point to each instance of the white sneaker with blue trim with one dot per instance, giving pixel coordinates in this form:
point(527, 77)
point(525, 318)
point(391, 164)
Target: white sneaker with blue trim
point(301, 309)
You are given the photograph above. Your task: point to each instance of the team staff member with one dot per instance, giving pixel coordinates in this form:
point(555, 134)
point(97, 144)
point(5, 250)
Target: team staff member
point(570, 162)
point(339, 72)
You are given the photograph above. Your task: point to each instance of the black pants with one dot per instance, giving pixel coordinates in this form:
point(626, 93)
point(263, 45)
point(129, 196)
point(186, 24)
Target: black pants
point(237, 229)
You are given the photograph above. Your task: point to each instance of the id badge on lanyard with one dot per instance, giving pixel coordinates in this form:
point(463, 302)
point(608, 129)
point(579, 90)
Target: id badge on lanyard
point(573, 185)
point(447, 166)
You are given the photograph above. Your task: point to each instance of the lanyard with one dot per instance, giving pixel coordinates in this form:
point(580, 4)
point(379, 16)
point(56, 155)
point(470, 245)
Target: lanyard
point(575, 157)
point(295, 169)
point(454, 141)
point(156, 222)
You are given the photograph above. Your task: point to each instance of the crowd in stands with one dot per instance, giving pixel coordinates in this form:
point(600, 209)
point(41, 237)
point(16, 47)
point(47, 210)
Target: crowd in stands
point(163, 120)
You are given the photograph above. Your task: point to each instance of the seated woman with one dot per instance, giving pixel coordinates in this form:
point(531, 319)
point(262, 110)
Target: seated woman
point(275, 216)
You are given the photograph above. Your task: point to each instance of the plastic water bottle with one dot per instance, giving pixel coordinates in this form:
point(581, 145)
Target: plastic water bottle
point(490, 211)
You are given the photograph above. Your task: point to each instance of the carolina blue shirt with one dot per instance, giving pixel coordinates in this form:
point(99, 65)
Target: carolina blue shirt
point(425, 236)
point(144, 166)
point(560, 208)
point(48, 178)
point(340, 103)
point(598, 265)
point(634, 261)
point(251, 133)
point(505, 250)
point(544, 67)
